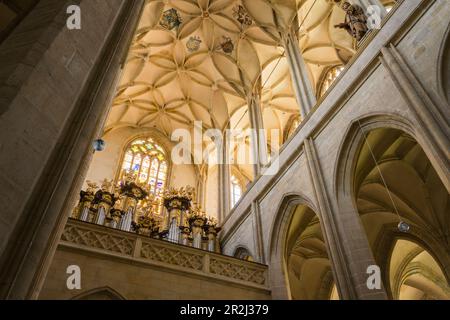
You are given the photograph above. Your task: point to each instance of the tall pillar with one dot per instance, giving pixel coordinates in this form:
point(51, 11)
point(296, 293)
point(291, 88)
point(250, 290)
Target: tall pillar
point(258, 142)
point(257, 232)
point(201, 183)
point(347, 244)
point(303, 88)
point(81, 101)
point(224, 178)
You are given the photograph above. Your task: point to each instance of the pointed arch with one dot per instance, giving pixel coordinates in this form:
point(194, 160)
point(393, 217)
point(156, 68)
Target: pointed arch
point(103, 293)
point(352, 143)
point(383, 231)
point(387, 239)
point(443, 65)
point(278, 235)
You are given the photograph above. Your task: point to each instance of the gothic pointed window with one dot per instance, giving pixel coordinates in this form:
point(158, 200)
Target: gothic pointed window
point(147, 160)
point(329, 78)
point(236, 191)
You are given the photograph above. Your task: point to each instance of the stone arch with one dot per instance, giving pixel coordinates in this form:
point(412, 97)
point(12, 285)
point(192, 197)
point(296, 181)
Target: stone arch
point(278, 247)
point(348, 192)
point(443, 66)
point(387, 239)
point(352, 143)
point(103, 293)
point(413, 269)
point(281, 220)
point(328, 285)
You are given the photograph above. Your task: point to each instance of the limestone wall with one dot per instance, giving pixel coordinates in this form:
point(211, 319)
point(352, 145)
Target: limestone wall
point(55, 84)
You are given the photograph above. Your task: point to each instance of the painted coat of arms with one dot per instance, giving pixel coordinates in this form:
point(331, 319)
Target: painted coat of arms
point(241, 15)
point(193, 44)
point(170, 19)
point(227, 45)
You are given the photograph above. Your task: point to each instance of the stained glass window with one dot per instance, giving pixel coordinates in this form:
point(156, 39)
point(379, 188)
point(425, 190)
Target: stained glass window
point(148, 162)
point(236, 191)
point(329, 78)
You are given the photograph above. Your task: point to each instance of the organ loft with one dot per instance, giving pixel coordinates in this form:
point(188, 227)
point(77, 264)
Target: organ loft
point(225, 149)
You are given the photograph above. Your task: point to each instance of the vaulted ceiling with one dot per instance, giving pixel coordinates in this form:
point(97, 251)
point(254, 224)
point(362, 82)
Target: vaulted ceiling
point(415, 275)
point(414, 191)
point(199, 60)
point(414, 186)
point(308, 265)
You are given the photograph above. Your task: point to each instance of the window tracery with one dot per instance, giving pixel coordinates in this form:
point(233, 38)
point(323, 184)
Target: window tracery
point(147, 161)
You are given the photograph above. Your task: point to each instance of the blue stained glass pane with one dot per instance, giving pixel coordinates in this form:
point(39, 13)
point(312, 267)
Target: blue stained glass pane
point(136, 167)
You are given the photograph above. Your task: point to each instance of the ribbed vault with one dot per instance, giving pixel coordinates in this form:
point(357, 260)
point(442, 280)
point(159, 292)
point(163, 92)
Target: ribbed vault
point(199, 60)
point(418, 194)
point(415, 274)
point(308, 265)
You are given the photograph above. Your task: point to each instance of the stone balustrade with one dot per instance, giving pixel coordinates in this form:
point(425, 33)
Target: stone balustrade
point(119, 244)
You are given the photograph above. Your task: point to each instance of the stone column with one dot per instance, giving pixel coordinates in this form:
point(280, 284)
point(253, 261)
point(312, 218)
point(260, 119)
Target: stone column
point(303, 88)
point(257, 232)
point(201, 183)
point(258, 142)
point(347, 244)
point(224, 178)
point(74, 94)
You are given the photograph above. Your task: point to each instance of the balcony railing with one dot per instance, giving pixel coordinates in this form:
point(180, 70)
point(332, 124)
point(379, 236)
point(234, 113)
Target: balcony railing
point(102, 240)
